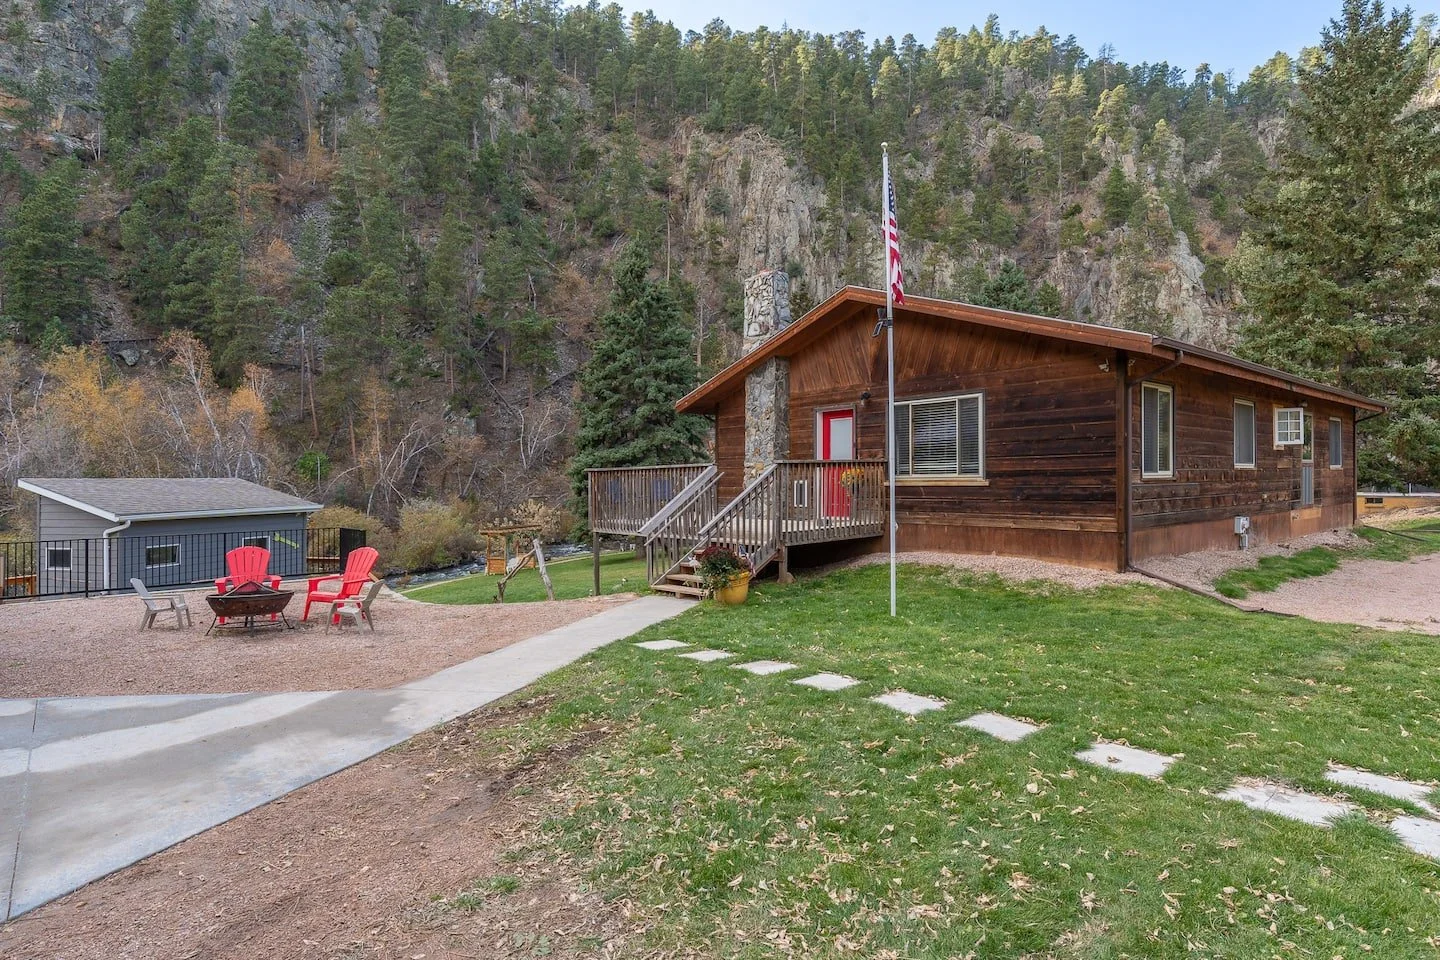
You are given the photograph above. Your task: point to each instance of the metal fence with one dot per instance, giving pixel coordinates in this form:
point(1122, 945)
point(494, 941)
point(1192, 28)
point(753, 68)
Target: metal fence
point(57, 568)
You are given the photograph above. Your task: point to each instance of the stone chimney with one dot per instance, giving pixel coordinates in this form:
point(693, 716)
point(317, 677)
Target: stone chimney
point(767, 307)
point(767, 388)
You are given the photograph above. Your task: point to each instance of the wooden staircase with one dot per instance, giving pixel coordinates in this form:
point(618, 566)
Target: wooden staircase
point(683, 581)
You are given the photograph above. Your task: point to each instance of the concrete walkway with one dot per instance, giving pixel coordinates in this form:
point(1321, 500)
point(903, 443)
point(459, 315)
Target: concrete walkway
point(92, 784)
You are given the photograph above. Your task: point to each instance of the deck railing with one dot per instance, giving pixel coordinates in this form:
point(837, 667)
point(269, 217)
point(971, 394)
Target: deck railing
point(790, 503)
point(624, 499)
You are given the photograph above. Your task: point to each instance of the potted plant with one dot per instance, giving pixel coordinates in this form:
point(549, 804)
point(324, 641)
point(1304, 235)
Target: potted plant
point(725, 573)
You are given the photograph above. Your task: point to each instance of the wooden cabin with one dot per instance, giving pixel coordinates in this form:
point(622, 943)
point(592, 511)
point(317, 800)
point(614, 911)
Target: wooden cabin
point(1015, 435)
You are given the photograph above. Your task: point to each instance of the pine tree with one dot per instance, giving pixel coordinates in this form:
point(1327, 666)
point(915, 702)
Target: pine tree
point(266, 92)
point(1339, 267)
point(1117, 198)
point(43, 265)
point(641, 366)
point(1009, 289)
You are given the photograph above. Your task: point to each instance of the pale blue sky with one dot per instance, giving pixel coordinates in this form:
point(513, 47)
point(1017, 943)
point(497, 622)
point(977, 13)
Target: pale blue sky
point(1230, 35)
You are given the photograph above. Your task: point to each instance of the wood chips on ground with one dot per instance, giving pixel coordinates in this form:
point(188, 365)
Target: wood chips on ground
point(94, 647)
point(365, 864)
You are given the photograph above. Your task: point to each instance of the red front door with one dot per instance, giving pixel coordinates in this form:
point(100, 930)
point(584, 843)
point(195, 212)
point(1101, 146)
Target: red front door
point(837, 442)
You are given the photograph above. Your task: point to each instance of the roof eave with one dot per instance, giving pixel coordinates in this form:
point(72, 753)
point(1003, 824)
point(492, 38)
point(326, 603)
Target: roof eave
point(80, 505)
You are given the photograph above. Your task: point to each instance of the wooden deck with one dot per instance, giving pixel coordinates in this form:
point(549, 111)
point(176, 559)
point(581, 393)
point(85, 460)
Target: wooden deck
point(791, 503)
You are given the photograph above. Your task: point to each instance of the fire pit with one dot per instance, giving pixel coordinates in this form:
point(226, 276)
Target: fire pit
point(247, 605)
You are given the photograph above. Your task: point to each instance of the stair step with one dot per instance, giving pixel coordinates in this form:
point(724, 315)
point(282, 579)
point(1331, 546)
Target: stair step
point(686, 578)
point(680, 588)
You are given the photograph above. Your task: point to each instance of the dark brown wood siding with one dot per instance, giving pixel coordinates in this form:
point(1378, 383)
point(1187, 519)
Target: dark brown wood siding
point(1197, 507)
point(730, 445)
point(1050, 463)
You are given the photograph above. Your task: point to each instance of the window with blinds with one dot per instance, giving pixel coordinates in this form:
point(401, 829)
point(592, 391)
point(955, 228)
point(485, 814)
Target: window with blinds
point(943, 437)
point(1337, 441)
point(1244, 433)
point(1157, 430)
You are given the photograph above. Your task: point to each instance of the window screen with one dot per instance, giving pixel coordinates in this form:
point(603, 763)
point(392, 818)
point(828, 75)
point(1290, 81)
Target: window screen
point(1337, 441)
point(1157, 424)
point(1244, 434)
point(262, 542)
point(57, 558)
point(940, 438)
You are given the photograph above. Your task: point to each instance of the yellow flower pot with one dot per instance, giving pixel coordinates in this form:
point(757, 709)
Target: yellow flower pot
point(735, 592)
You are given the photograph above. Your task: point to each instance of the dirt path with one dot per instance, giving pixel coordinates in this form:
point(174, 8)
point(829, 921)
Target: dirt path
point(350, 866)
point(1372, 593)
point(93, 647)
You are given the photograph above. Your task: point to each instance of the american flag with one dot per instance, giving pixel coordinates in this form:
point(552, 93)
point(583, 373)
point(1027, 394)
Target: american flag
point(894, 272)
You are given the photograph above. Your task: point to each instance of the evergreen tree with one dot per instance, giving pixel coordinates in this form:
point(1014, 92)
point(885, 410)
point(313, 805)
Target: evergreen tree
point(1340, 265)
point(1009, 289)
point(641, 366)
point(43, 265)
point(1117, 197)
point(266, 93)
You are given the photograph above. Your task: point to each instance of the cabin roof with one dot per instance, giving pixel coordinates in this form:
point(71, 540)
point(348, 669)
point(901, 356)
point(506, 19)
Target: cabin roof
point(165, 498)
point(850, 302)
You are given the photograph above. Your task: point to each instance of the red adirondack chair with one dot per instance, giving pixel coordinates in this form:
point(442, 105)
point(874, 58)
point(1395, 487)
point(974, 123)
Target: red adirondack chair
point(326, 590)
point(247, 565)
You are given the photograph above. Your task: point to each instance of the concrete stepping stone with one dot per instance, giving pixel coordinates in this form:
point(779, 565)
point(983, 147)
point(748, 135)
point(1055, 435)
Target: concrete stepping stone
point(827, 681)
point(1117, 756)
point(661, 645)
point(909, 703)
point(1419, 834)
point(707, 656)
point(1270, 797)
point(763, 668)
point(1000, 726)
point(1383, 785)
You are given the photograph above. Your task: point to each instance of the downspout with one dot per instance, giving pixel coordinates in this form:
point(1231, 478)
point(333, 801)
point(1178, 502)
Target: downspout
point(1130, 385)
point(105, 584)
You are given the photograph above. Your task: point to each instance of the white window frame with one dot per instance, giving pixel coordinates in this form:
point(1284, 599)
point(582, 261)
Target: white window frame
point(51, 551)
point(1169, 472)
point(262, 541)
point(1290, 437)
point(955, 398)
point(1235, 435)
point(1331, 447)
point(161, 546)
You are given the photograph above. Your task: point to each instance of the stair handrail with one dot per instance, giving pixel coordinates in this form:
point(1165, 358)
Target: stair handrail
point(691, 491)
point(766, 546)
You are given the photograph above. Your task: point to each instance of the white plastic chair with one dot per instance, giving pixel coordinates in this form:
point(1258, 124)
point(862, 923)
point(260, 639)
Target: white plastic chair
point(155, 606)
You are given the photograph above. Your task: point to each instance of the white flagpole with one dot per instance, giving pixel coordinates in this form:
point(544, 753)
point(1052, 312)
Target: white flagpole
point(890, 360)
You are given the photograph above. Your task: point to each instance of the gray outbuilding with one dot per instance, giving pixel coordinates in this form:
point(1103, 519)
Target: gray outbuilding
point(95, 534)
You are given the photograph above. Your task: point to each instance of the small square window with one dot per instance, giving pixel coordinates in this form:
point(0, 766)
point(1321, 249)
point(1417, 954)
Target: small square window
point(262, 542)
point(163, 555)
point(1289, 426)
point(57, 558)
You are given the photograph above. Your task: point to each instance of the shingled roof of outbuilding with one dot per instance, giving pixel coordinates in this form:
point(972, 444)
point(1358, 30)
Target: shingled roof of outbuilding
point(166, 498)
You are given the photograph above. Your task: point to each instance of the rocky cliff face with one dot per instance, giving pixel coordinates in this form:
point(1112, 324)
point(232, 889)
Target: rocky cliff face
point(79, 38)
point(743, 194)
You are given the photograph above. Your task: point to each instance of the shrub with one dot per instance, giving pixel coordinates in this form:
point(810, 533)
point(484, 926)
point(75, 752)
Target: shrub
point(557, 524)
point(433, 535)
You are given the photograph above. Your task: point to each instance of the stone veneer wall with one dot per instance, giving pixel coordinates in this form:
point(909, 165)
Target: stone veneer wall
point(767, 388)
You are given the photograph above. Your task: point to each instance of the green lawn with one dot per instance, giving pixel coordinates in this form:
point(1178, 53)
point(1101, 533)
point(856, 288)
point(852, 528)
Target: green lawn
point(1271, 572)
point(746, 817)
point(619, 572)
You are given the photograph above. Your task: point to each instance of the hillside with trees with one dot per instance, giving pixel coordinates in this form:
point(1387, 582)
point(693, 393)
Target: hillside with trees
point(364, 251)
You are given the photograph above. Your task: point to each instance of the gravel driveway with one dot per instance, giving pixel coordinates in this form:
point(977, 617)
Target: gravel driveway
point(1372, 593)
point(92, 647)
